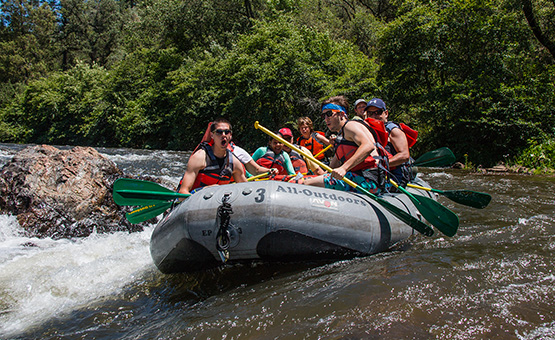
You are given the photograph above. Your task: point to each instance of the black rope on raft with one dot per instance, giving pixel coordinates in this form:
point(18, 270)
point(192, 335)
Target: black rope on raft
point(223, 238)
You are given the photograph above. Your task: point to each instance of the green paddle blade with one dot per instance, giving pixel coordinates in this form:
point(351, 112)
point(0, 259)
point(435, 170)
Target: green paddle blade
point(136, 192)
point(437, 158)
point(147, 212)
point(473, 199)
point(439, 216)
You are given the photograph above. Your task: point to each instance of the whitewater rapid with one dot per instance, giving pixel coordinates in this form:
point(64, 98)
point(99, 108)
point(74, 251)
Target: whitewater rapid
point(42, 279)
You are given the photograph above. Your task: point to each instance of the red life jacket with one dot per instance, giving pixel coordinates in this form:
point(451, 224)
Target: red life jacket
point(381, 136)
point(207, 139)
point(378, 130)
point(270, 160)
point(403, 172)
point(312, 144)
point(214, 173)
point(298, 162)
point(345, 149)
point(411, 134)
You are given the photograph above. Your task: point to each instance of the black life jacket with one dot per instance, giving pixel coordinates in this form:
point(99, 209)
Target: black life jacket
point(215, 172)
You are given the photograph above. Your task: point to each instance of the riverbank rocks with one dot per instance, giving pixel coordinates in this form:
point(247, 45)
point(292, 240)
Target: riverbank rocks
point(62, 193)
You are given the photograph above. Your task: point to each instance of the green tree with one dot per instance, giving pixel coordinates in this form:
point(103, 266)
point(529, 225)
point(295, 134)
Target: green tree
point(540, 16)
point(189, 25)
point(27, 44)
point(450, 67)
point(275, 74)
point(55, 110)
point(90, 31)
point(138, 100)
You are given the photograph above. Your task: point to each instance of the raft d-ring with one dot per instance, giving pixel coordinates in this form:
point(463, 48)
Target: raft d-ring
point(227, 196)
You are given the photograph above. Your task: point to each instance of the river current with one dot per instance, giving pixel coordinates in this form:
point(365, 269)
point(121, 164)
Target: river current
point(494, 279)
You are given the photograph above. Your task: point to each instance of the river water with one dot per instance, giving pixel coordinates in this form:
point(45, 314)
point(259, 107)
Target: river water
point(494, 279)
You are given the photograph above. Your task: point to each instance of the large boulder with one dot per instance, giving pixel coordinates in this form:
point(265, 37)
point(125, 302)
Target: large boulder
point(62, 193)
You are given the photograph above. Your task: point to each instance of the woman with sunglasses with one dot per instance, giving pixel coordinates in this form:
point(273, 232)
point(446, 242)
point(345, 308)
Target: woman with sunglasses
point(354, 150)
point(213, 163)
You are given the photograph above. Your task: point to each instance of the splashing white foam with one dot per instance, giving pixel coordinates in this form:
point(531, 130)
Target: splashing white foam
point(43, 278)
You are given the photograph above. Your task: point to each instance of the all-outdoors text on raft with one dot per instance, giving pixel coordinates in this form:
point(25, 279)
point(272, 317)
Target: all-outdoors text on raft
point(309, 193)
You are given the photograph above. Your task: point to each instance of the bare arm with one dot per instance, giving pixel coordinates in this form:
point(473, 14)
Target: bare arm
point(399, 141)
point(238, 174)
point(322, 139)
point(255, 169)
point(359, 134)
point(197, 162)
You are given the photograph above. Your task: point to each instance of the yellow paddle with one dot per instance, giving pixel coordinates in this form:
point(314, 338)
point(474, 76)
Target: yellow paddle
point(470, 198)
point(323, 150)
point(253, 178)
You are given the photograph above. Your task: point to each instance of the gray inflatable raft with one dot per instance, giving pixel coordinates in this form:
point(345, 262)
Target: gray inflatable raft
point(276, 221)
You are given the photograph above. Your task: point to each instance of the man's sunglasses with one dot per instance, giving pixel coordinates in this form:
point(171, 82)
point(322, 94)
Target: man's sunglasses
point(328, 113)
point(223, 132)
point(377, 112)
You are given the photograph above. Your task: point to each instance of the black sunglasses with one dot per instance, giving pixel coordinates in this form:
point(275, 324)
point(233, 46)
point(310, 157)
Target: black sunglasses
point(377, 112)
point(223, 132)
point(328, 113)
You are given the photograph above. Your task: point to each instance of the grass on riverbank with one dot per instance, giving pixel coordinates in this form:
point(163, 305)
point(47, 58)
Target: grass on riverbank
point(539, 156)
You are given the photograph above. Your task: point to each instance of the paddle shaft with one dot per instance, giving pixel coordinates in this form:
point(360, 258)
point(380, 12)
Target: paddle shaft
point(403, 216)
point(147, 212)
point(323, 150)
point(258, 176)
point(291, 146)
point(469, 198)
point(155, 195)
point(424, 188)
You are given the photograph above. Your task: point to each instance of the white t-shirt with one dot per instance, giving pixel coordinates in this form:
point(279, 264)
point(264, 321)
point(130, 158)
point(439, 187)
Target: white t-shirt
point(241, 154)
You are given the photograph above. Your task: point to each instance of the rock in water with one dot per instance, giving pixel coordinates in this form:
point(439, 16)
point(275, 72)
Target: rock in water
point(62, 193)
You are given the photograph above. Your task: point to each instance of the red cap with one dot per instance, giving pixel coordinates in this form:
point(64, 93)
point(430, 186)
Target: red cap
point(286, 132)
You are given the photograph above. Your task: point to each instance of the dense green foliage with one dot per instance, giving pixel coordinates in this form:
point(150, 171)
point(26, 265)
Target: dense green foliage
point(538, 156)
point(476, 76)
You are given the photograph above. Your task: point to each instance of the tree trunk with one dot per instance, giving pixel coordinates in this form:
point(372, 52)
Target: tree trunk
point(538, 33)
point(248, 9)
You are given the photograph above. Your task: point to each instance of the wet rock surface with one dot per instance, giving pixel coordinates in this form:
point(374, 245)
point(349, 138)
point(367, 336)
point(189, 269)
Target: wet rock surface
point(62, 193)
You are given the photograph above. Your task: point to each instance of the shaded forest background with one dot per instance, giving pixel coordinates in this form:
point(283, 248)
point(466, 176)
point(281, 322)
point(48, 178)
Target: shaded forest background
point(477, 76)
